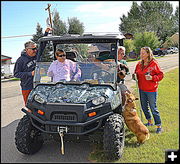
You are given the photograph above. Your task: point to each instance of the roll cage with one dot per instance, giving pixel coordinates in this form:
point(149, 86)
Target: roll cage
point(116, 39)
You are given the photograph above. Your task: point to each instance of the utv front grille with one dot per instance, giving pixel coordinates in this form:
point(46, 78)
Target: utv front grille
point(64, 117)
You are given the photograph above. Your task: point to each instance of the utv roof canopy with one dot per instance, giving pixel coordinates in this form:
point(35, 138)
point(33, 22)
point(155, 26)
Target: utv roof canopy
point(86, 38)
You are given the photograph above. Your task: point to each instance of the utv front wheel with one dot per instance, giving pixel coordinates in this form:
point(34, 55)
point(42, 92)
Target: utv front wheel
point(28, 139)
point(113, 139)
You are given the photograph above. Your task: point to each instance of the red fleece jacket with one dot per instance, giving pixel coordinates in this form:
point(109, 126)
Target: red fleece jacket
point(156, 73)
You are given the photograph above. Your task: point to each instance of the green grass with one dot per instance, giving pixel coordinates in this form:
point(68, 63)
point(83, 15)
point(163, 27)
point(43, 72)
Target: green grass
point(15, 79)
point(153, 150)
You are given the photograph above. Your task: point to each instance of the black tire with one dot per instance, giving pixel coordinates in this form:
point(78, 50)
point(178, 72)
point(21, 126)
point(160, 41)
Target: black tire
point(28, 139)
point(114, 136)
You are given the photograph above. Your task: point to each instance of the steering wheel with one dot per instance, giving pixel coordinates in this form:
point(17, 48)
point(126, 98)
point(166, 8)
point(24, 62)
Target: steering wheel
point(98, 74)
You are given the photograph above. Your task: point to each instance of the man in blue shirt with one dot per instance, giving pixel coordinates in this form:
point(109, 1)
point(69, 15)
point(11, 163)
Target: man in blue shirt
point(25, 66)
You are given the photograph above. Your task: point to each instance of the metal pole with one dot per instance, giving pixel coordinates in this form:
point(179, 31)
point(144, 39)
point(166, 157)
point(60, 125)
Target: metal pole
point(50, 19)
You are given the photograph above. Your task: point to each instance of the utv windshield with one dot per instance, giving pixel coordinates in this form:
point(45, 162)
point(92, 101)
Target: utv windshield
point(93, 63)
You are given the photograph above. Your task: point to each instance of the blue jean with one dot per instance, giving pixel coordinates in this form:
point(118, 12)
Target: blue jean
point(150, 98)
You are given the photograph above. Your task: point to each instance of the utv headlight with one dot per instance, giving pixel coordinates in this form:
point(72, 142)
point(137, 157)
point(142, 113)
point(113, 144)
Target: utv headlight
point(39, 99)
point(99, 100)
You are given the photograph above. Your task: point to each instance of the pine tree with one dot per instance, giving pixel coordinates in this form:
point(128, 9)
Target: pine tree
point(75, 26)
point(149, 16)
point(38, 34)
point(59, 26)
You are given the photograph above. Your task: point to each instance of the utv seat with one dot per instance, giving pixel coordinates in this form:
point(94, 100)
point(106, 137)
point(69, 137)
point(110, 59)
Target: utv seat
point(103, 55)
point(71, 55)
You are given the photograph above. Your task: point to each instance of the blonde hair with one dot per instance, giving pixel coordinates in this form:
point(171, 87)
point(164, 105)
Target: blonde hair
point(150, 55)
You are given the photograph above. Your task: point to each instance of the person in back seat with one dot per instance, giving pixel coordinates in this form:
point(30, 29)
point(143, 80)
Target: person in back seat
point(122, 69)
point(63, 69)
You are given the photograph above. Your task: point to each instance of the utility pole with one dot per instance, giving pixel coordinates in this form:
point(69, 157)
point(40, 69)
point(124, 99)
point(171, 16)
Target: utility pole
point(50, 19)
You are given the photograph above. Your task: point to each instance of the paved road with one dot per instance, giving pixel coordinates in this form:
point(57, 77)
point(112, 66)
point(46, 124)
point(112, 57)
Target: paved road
point(50, 152)
point(12, 102)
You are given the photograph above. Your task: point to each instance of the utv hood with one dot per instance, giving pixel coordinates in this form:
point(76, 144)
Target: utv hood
point(68, 93)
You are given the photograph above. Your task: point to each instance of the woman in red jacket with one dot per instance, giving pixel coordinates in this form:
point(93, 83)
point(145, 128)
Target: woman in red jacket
point(148, 75)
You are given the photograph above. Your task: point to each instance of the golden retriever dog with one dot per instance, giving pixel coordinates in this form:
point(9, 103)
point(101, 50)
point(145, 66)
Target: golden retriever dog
point(132, 120)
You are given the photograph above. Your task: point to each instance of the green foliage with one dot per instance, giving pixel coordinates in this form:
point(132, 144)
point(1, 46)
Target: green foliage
point(129, 45)
point(82, 49)
point(59, 27)
point(48, 54)
point(150, 16)
point(75, 26)
point(176, 20)
point(39, 34)
point(146, 39)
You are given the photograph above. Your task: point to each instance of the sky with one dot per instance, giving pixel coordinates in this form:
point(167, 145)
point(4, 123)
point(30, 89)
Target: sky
point(21, 18)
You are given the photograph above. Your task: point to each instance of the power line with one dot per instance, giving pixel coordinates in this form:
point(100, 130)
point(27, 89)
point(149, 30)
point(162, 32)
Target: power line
point(6, 37)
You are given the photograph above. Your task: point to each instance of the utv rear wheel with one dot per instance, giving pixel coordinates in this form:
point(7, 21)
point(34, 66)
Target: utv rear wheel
point(28, 139)
point(113, 139)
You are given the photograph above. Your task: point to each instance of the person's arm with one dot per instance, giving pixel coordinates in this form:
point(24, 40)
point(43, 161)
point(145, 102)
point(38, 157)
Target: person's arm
point(18, 70)
point(159, 74)
point(45, 34)
point(47, 31)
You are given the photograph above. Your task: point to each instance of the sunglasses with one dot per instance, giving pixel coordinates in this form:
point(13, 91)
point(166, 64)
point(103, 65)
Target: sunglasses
point(60, 55)
point(33, 48)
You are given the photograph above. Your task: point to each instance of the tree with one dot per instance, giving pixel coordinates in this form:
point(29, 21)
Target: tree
point(129, 45)
point(176, 20)
point(131, 23)
point(169, 42)
point(150, 16)
point(146, 39)
point(59, 26)
point(75, 26)
point(38, 34)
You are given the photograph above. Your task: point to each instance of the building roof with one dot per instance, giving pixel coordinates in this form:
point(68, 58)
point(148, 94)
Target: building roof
point(174, 38)
point(4, 57)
